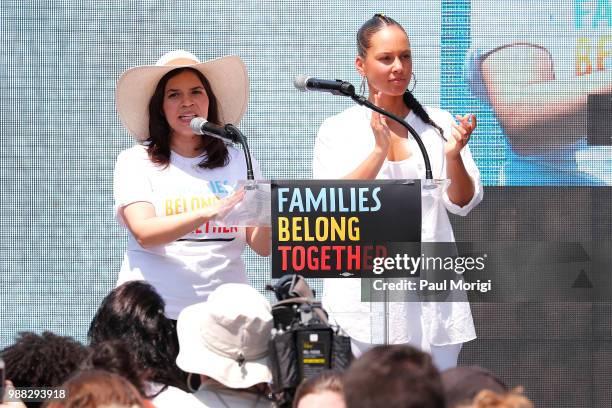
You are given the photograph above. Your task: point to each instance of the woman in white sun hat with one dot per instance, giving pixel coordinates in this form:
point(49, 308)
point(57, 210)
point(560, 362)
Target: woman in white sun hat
point(225, 342)
point(167, 187)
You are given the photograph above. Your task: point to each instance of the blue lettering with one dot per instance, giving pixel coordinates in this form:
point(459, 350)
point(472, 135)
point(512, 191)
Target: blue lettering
point(580, 12)
point(602, 13)
point(282, 198)
point(313, 204)
point(341, 206)
point(332, 199)
point(296, 201)
point(363, 199)
point(375, 197)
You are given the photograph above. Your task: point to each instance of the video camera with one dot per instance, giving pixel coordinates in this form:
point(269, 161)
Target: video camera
point(303, 343)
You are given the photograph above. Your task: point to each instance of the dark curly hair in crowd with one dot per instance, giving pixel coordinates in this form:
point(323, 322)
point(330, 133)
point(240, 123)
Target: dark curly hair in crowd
point(394, 376)
point(364, 36)
point(45, 360)
point(98, 388)
point(114, 356)
point(134, 313)
point(158, 145)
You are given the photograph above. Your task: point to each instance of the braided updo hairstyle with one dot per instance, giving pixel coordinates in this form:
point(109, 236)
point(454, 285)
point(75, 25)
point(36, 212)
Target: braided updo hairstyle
point(364, 36)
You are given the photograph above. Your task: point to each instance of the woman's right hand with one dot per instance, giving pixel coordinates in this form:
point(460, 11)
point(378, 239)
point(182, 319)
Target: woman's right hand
point(370, 167)
point(382, 134)
point(223, 207)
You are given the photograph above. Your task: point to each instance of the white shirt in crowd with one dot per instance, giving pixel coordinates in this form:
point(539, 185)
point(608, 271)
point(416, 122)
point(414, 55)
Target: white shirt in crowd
point(210, 396)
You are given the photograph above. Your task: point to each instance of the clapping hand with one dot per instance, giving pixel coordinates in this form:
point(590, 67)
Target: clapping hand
point(460, 135)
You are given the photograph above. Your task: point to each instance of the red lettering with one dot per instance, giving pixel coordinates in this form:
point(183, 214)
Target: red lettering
point(325, 266)
point(313, 261)
point(381, 251)
point(368, 257)
point(284, 249)
point(338, 249)
point(298, 260)
point(353, 258)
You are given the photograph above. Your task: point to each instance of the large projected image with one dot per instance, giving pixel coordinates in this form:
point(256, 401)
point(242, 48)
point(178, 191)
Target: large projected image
point(545, 71)
point(536, 74)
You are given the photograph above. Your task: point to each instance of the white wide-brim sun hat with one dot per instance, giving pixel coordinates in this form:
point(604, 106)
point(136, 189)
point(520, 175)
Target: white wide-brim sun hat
point(227, 337)
point(227, 76)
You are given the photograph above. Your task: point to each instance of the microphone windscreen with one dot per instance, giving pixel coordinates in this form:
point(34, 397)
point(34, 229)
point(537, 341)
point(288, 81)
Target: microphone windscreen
point(300, 82)
point(196, 125)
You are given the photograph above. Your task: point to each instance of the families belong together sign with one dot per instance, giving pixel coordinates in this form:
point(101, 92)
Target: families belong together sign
point(337, 228)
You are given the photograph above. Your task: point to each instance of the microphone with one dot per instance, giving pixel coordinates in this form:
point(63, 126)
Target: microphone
point(305, 83)
point(201, 126)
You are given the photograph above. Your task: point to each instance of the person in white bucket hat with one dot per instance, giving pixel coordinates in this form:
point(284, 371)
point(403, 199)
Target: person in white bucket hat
point(171, 186)
point(225, 342)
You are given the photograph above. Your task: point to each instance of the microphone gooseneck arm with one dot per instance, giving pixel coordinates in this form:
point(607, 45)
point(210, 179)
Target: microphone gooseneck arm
point(228, 133)
point(343, 88)
point(361, 100)
point(229, 128)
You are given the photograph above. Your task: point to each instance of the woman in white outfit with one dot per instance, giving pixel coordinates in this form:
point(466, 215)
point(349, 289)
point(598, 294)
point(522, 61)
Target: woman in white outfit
point(168, 186)
point(359, 144)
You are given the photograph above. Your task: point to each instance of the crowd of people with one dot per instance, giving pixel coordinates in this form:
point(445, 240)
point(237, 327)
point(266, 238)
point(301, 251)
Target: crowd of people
point(183, 328)
point(220, 359)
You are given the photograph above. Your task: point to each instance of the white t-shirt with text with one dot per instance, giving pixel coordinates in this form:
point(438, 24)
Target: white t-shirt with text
point(187, 270)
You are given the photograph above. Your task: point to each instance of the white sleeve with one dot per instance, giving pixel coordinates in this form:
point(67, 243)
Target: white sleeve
point(474, 173)
point(329, 160)
point(130, 183)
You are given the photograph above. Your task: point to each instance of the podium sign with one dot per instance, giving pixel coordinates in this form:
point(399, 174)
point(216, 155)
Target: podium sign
point(342, 228)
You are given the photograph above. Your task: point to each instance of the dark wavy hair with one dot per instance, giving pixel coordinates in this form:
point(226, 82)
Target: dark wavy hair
point(134, 313)
point(364, 37)
point(115, 356)
point(45, 360)
point(393, 376)
point(158, 144)
point(97, 388)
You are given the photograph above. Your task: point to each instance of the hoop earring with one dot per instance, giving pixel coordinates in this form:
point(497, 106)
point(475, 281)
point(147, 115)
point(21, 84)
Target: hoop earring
point(190, 385)
point(362, 86)
point(414, 85)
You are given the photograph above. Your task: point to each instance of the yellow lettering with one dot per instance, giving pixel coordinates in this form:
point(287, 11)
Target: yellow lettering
point(321, 228)
point(283, 229)
point(583, 62)
point(307, 236)
point(296, 228)
point(168, 205)
point(603, 51)
point(325, 228)
point(353, 229)
point(338, 230)
point(177, 206)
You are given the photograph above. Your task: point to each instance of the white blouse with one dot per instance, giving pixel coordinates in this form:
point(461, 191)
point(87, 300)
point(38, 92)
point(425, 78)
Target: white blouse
point(343, 142)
